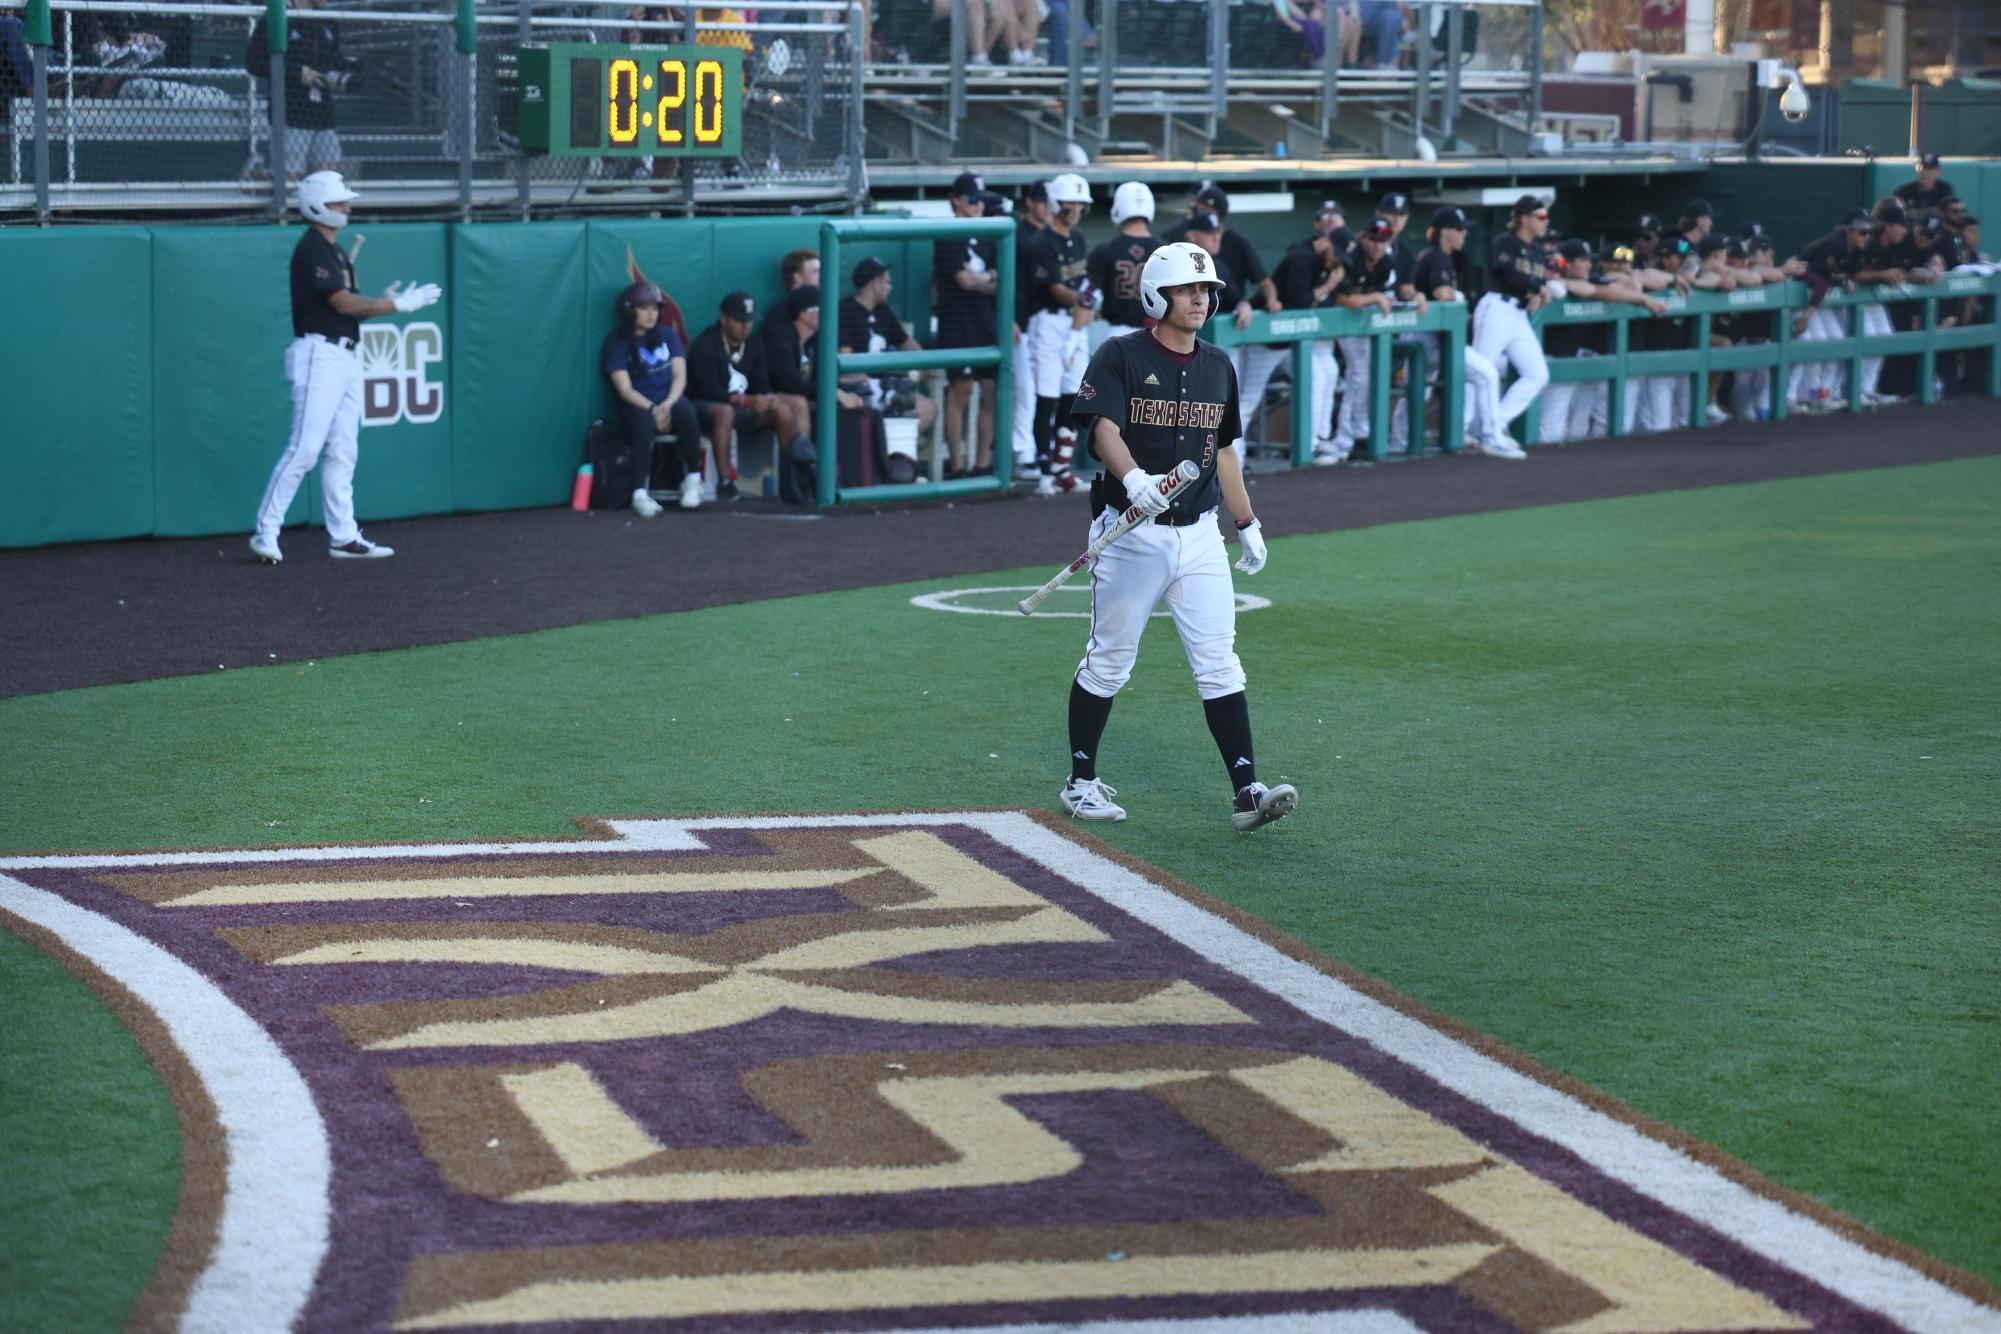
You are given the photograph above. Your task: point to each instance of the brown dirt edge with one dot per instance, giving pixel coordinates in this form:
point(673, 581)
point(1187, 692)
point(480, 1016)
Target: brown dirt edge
point(1967, 1284)
point(204, 1152)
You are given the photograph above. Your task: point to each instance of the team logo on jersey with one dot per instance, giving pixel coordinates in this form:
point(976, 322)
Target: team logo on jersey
point(395, 374)
point(1085, 392)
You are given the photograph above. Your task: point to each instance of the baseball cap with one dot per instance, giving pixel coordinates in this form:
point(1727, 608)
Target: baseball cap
point(868, 271)
point(1332, 206)
point(1855, 220)
point(1448, 217)
point(800, 300)
point(1528, 204)
point(739, 306)
point(1618, 254)
point(1036, 192)
point(1928, 160)
point(1398, 204)
point(1753, 231)
point(1204, 221)
point(1650, 222)
point(1574, 248)
point(1380, 228)
point(1213, 197)
point(1709, 245)
point(992, 205)
point(968, 185)
point(1698, 208)
point(1931, 226)
point(1891, 212)
point(1343, 239)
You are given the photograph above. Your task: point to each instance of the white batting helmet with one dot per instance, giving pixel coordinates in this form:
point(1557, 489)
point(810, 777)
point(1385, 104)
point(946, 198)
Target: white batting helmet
point(1070, 188)
point(320, 189)
point(1174, 265)
point(1131, 200)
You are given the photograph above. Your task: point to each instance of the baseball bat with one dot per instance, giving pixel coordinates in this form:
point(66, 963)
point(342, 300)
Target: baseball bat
point(1184, 473)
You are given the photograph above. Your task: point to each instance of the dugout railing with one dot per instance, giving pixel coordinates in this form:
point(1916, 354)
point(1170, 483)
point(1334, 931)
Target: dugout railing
point(831, 363)
point(1699, 362)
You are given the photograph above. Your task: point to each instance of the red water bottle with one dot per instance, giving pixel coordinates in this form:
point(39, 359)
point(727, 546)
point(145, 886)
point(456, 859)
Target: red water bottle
point(580, 490)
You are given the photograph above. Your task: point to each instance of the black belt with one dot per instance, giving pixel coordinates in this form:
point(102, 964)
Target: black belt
point(1173, 520)
point(342, 341)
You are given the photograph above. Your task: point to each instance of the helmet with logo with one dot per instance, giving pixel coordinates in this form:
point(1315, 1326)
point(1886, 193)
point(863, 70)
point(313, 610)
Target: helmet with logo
point(1131, 200)
point(1069, 188)
point(641, 293)
point(321, 189)
point(1174, 265)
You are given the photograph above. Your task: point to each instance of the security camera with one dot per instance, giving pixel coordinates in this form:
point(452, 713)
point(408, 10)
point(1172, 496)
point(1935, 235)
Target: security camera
point(1793, 104)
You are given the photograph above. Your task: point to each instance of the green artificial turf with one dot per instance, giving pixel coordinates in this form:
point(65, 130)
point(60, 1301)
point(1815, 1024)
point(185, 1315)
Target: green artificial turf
point(90, 1164)
point(1689, 796)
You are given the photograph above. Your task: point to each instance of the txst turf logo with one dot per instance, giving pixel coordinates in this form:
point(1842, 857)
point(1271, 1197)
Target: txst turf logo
point(871, 1072)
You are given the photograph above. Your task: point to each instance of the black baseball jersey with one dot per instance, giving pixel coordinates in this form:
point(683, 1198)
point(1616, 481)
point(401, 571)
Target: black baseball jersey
point(1829, 258)
point(319, 269)
point(1114, 270)
point(711, 360)
point(1168, 406)
point(965, 319)
point(1296, 277)
point(1054, 259)
point(1232, 249)
point(860, 328)
point(1920, 200)
point(1406, 260)
point(1436, 269)
point(1881, 254)
point(1518, 270)
point(789, 359)
point(1362, 277)
point(1026, 234)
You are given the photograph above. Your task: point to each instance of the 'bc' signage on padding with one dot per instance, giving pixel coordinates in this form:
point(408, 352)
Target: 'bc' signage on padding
point(395, 369)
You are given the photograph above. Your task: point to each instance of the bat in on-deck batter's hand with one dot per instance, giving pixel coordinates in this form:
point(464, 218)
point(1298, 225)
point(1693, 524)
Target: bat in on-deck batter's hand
point(1184, 473)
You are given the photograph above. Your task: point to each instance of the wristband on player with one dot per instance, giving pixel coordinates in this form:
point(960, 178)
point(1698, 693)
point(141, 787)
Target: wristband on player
point(1251, 522)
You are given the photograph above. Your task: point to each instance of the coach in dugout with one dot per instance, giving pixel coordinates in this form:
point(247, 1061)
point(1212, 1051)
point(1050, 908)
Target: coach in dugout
point(965, 281)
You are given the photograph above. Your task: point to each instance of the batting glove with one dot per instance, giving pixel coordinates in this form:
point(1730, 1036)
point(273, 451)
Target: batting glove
point(416, 298)
point(1073, 350)
point(1253, 543)
point(1143, 492)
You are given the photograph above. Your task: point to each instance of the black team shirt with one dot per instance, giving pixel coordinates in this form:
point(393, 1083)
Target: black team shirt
point(319, 269)
point(1168, 406)
point(1114, 269)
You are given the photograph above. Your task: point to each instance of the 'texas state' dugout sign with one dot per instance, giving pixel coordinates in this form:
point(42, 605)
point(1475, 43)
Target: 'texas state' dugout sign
point(591, 99)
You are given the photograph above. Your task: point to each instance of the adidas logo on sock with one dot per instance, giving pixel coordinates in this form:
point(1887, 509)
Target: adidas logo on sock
point(1080, 755)
point(1241, 763)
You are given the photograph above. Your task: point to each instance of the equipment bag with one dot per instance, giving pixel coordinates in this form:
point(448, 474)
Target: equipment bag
point(613, 476)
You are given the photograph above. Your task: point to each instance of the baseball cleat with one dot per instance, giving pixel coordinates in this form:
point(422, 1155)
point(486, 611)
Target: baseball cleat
point(691, 491)
point(266, 550)
point(1258, 805)
point(1091, 799)
point(360, 549)
point(644, 506)
point(1501, 447)
point(1045, 485)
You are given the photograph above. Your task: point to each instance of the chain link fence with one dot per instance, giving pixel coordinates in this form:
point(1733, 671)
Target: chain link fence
point(153, 108)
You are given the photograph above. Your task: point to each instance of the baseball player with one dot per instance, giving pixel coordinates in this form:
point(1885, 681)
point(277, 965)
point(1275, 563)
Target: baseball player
point(965, 276)
point(1501, 328)
point(1063, 305)
point(1151, 400)
point(1657, 267)
point(1444, 273)
point(1887, 259)
point(1114, 267)
point(1575, 409)
point(1306, 278)
point(1029, 221)
point(1825, 264)
point(325, 373)
point(1370, 282)
point(1924, 195)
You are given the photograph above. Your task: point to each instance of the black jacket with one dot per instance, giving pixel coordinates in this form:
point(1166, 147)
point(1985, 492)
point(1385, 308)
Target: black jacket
point(709, 367)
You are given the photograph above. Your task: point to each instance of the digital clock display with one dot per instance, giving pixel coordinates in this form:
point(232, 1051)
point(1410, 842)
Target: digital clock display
point(600, 100)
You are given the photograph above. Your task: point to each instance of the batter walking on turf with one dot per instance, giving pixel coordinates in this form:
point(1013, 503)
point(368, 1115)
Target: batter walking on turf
point(1151, 400)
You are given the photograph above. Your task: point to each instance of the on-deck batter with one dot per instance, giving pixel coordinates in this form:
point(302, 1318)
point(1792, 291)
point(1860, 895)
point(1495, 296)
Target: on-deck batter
point(1151, 400)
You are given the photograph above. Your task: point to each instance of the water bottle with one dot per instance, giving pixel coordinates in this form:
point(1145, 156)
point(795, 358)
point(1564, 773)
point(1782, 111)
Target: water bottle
point(580, 490)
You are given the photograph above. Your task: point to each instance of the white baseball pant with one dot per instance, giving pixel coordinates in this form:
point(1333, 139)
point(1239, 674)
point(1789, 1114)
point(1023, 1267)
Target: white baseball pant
point(1190, 568)
point(326, 425)
point(1808, 378)
point(1750, 393)
point(1650, 403)
point(1483, 395)
point(1875, 320)
point(1326, 380)
point(1056, 352)
point(1353, 422)
point(1574, 410)
point(1260, 364)
point(1023, 429)
point(1503, 335)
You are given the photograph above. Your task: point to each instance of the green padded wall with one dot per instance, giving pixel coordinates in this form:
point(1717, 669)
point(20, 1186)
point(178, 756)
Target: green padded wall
point(76, 378)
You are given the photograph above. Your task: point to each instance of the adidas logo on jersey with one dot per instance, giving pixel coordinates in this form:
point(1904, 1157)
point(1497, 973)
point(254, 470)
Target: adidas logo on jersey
point(1151, 379)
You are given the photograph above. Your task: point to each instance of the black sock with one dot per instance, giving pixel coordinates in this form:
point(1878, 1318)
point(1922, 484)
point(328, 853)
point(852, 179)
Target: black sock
point(1230, 723)
point(1045, 431)
point(1088, 715)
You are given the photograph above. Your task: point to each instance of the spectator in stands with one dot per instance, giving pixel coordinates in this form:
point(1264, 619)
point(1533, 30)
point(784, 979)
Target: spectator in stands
point(1305, 279)
point(1825, 264)
point(17, 71)
point(1444, 273)
point(1923, 196)
point(1308, 18)
point(868, 323)
point(1383, 23)
point(648, 370)
point(985, 27)
point(726, 366)
point(713, 36)
point(315, 75)
point(965, 278)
